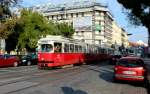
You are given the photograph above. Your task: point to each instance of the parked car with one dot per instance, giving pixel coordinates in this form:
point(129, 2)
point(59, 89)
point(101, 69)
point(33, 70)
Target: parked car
point(28, 60)
point(130, 69)
point(114, 59)
point(8, 60)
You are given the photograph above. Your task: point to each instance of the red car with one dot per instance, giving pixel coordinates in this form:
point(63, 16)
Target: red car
point(8, 60)
point(131, 69)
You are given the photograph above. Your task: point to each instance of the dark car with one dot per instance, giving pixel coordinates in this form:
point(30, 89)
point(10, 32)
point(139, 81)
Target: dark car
point(130, 69)
point(114, 59)
point(28, 60)
point(7, 60)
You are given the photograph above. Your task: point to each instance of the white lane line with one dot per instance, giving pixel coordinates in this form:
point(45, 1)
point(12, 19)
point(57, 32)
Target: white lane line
point(15, 86)
point(21, 70)
point(10, 79)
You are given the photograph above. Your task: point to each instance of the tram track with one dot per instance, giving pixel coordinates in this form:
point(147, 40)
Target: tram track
point(29, 73)
point(56, 78)
point(28, 76)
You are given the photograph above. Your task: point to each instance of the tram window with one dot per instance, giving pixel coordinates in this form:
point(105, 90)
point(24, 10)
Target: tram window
point(96, 50)
point(57, 47)
point(66, 48)
point(46, 47)
point(71, 48)
point(76, 48)
point(99, 50)
point(80, 48)
point(105, 51)
point(102, 50)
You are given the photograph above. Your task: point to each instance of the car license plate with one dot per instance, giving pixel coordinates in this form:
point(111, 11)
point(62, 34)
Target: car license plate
point(129, 72)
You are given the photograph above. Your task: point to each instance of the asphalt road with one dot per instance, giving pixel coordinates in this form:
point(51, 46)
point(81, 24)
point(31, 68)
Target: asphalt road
point(84, 79)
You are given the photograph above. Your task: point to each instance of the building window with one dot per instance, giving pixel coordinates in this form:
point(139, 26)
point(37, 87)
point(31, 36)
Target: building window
point(71, 15)
point(83, 40)
point(82, 14)
point(61, 16)
point(82, 33)
point(77, 14)
point(52, 17)
point(66, 15)
point(100, 42)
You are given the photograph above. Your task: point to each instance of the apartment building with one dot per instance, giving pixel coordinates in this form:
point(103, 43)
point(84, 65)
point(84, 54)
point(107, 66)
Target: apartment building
point(96, 18)
point(119, 36)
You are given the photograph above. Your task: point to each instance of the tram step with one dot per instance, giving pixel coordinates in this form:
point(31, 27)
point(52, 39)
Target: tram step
point(67, 66)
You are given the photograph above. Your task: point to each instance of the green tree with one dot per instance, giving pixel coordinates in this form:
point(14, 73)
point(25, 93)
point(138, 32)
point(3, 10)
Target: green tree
point(5, 12)
point(3, 31)
point(11, 25)
point(138, 12)
point(65, 29)
point(25, 31)
point(34, 26)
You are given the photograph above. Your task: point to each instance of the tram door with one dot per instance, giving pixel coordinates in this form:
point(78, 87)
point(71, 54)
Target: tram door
point(58, 56)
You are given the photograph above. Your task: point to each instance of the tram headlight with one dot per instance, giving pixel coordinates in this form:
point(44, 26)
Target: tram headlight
point(42, 59)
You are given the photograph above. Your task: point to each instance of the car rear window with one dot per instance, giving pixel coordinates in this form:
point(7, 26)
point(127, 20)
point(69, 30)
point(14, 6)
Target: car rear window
point(117, 56)
point(130, 63)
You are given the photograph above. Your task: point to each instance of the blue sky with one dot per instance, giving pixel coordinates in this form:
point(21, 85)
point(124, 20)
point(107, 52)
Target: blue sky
point(139, 33)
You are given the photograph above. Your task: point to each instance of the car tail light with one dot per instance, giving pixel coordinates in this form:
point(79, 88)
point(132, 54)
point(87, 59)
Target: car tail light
point(141, 68)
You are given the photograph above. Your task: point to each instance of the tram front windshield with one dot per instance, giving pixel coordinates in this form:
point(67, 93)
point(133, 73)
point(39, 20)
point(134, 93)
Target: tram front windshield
point(46, 47)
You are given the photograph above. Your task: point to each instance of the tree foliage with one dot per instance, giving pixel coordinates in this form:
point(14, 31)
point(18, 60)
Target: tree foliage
point(24, 31)
point(35, 26)
point(13, 33)
point(65, 29)
point(138, 12)
point(6, 26)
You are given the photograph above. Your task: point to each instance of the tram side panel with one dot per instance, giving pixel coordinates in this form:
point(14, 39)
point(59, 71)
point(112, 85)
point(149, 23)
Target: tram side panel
point(59, 59)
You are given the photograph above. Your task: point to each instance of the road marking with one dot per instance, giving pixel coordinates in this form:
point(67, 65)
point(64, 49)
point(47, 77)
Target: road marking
point(15, 86)
point(22, 70)
point(10, 79)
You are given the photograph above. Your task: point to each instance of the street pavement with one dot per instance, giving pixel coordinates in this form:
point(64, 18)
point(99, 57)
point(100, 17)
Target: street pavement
point(84, 79)
point(147, 62)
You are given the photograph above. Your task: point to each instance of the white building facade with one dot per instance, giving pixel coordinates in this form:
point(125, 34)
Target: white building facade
point(100, 20)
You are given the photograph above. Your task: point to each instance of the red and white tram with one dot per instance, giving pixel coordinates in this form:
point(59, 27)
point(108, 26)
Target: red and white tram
point(54, 51)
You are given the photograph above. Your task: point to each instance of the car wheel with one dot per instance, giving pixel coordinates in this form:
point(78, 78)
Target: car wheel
point(28, 63)
point(145, 82)
point(114, 79)
point(15, 64)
